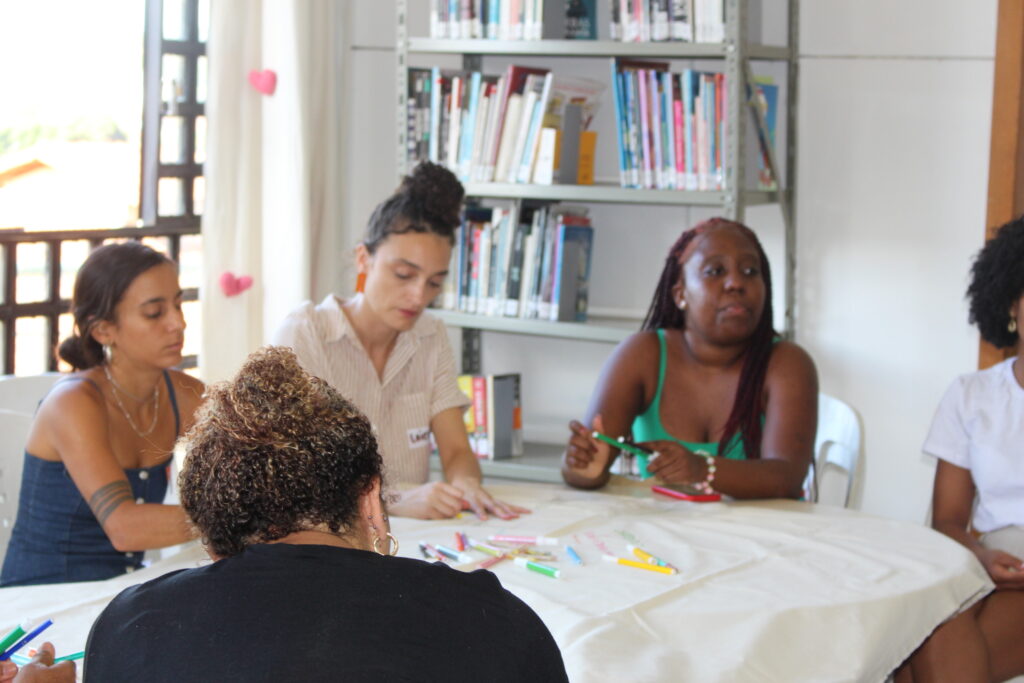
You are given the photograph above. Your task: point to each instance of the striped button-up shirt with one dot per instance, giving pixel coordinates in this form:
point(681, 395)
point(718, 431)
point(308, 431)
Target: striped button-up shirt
point(417, 384)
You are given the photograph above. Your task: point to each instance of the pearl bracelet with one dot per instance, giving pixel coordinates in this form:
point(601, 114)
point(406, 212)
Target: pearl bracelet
point(706, 485)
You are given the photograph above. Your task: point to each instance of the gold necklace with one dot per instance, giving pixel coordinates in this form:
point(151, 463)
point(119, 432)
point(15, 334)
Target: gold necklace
point(156, 404)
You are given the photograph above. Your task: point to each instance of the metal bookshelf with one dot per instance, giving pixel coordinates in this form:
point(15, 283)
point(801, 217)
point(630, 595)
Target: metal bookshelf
point(611, 330)
point(736, 53)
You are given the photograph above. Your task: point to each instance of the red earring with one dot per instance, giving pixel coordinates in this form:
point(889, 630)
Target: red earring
point(360, 283)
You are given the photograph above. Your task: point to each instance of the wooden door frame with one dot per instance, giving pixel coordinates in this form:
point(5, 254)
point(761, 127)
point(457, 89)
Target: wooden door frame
point(1006, 149)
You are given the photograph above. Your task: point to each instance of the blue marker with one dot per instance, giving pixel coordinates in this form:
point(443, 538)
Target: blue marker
point(573, 556)
point(24, 641)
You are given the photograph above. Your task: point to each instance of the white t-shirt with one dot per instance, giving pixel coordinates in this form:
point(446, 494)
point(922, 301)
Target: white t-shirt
point(979, 425)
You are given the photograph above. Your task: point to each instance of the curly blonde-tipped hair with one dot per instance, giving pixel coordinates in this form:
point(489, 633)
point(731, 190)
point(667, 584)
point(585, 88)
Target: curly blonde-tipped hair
point(275, 451)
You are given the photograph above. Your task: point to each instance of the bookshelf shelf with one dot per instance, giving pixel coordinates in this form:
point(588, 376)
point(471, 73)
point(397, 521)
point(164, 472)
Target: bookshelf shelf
point(609, 194)
point(590, 48)
point(540, 462)
point(611, 330)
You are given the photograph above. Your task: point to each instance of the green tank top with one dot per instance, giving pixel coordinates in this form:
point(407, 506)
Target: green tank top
point(647, 426)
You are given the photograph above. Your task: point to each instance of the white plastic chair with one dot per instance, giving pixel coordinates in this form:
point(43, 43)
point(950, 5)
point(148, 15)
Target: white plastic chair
point(21, 394)
point(836, 447)
point(13, 433)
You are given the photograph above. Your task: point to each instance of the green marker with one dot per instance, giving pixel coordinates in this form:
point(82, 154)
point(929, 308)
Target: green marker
point(643, 456)
point(69, 658)
point(537, 567)
point(621, 443)
point(11, 638)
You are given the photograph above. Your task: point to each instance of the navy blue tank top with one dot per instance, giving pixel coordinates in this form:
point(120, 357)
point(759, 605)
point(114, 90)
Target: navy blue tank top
point(56, 537)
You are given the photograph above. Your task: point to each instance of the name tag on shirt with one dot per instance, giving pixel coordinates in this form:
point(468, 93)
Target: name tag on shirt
point(419, 437)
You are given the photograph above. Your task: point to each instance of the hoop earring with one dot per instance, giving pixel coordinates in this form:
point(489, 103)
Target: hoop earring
point(1012, 327)
point(393, 541)
point(360, 283)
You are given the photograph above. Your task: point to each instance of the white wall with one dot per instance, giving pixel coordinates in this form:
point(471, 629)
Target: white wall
point(893, 149)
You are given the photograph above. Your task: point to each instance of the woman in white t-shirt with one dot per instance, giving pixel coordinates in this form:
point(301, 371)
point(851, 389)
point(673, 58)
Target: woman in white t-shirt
point(393, 361)
point(978, 437)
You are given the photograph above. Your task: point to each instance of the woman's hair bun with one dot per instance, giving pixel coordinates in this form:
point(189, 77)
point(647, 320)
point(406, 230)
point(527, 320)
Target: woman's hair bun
point(436, 191)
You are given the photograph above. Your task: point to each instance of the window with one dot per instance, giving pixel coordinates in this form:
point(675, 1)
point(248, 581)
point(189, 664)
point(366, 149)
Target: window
point(76, 167)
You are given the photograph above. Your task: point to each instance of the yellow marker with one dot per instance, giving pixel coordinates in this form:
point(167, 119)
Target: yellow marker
point(639, 565)
point(643, 555)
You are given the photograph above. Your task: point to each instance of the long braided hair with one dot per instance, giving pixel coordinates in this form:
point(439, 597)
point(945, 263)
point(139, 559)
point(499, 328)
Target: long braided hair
point(745, 416)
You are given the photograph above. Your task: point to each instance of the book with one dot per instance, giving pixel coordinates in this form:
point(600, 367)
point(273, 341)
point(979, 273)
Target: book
point(570, 299)
point(525, 171)
point(585, 167)
point(532, 91)
point(570, 20)
point(761, 175)
point(508, 123)
point(494, 419)
point(681, 19)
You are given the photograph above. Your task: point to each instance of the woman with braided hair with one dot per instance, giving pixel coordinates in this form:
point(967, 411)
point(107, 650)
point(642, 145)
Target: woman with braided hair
point(393, 360)
point(706, 384)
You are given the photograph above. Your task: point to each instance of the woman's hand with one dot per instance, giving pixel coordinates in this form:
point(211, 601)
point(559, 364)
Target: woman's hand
point(586, 453)
point(481, 502)
point(672, 463)
point(40, 670)
point(1006, 570)
point(435, 500)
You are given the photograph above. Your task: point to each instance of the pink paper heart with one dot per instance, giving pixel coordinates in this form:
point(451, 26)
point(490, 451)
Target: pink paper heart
point(264, 81)
point(232, 285)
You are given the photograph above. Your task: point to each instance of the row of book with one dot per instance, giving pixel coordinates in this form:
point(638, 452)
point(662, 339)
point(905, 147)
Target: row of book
point(701, 21)
point(663, 20)
point(671, 129)
point(532, 263)
point(513, 19)
point(507, 128)
point(494, 419)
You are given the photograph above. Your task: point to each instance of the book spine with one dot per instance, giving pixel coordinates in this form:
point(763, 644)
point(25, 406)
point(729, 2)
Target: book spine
point(469, 129)
point(668, 131)
point(654, 107)
point(480, 417)
point(515, 270)
point(556, 273)
point(465, 383)
point(622, 140)
point(647, 166)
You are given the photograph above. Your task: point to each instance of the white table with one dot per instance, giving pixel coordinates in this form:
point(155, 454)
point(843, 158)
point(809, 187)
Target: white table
point(767, 591)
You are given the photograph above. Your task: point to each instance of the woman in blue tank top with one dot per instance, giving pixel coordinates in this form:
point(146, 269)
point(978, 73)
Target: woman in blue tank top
point(99, 450)
point(706, 383)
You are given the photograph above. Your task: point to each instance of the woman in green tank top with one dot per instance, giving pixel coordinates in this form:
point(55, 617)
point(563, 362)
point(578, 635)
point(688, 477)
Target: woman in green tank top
point(706, 384)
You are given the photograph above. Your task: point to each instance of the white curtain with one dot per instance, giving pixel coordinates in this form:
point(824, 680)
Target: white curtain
point(273, 168)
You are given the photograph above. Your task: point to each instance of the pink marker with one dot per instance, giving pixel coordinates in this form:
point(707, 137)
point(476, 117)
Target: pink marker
point(523, 540)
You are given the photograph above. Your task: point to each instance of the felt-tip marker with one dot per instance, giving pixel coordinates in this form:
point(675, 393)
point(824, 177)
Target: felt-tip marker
point(639, 565)
point(523, 540)
point(537, 567)
point(622, 443)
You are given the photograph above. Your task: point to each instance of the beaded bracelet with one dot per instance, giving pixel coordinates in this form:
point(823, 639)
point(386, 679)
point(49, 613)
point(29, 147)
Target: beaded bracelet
point(706, 485)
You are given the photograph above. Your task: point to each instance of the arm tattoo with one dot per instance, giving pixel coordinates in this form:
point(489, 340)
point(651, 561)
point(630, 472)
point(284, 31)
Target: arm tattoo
point(108, 498)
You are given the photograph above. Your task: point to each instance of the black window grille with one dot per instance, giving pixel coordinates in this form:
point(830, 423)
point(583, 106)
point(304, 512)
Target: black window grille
point(171, 184)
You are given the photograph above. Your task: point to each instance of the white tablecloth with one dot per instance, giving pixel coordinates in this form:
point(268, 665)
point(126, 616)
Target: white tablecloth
point(766, 591)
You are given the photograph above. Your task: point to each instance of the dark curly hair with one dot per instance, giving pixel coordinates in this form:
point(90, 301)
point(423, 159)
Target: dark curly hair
point(275, 451)
point(745, 416)
point(997, 282)
point(99, 287)
point(428, 200)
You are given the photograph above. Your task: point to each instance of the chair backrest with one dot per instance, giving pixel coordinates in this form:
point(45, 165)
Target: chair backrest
point(13, 433)
point(21, 394)
point(836, 447)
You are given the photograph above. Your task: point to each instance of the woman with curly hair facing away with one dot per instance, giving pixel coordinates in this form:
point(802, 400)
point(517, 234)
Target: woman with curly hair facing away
point(393, 360)
point(706, 384)
point(282, 480)
point(97, 455)
point(978, 496)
